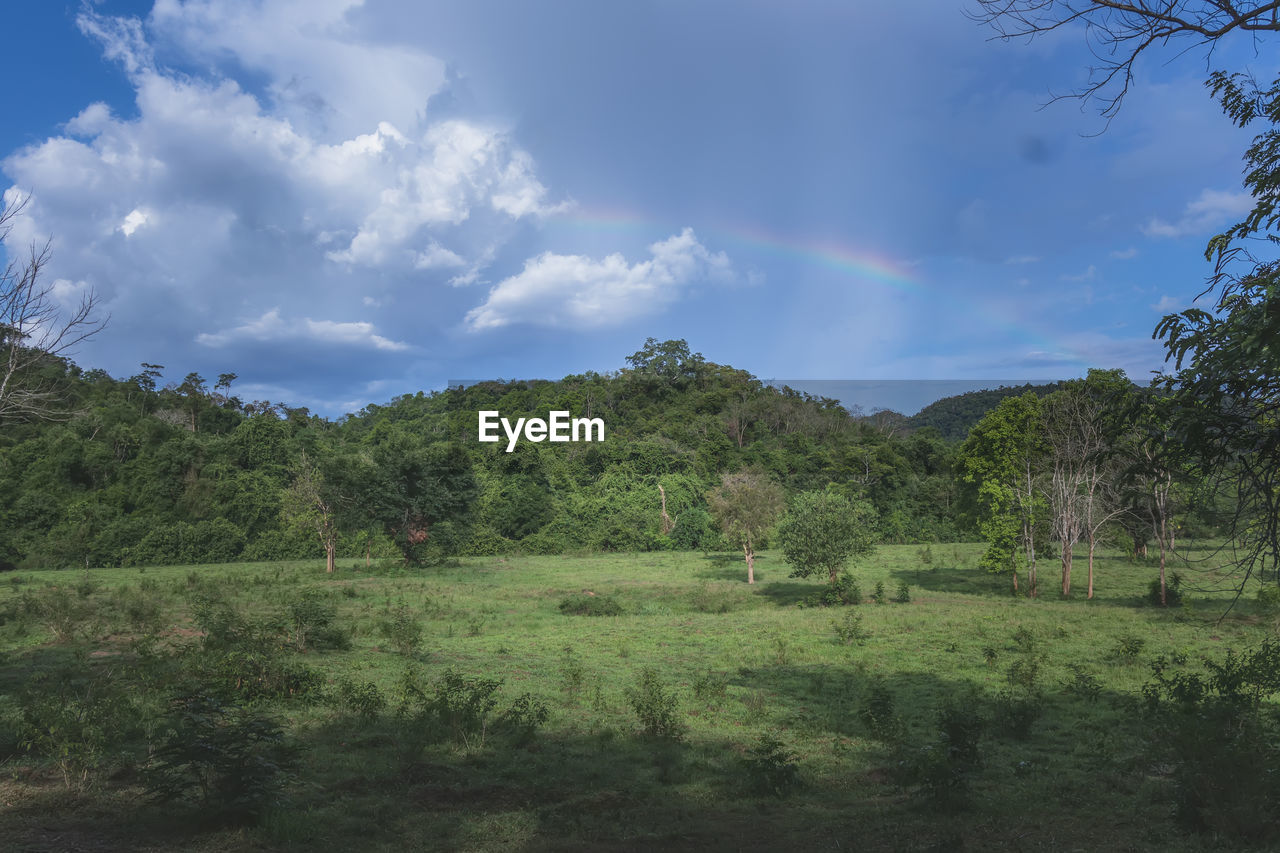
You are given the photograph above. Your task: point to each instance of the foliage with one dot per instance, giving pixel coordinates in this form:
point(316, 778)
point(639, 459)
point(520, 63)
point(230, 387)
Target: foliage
point(1218, 730)
point(403, 630)
point(583, 604)
point(771, 767)
point(234, 762)
point(656, 706)
point(823, 530)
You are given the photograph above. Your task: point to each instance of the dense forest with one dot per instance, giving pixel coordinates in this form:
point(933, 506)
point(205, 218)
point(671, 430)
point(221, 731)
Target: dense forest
point(145, 472)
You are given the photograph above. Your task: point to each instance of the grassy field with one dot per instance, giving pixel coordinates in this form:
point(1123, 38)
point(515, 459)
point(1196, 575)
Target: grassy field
point(789, 727)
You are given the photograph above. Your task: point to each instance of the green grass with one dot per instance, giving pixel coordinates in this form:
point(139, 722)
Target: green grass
point(746, 663)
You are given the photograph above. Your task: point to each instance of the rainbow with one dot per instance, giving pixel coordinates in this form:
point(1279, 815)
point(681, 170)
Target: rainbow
point(861, 264)
point(857, 263)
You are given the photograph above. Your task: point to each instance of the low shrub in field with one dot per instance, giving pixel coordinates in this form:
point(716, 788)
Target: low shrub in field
point(710, 687)
point(708, 599)
point(843, 592)
point(1127, 649)
point(75, 721)
point(1219, 731)
point(771, 767)
point(64, 615)
point(240, 657)
point(463, 708)
point(880, 716)
point(942, 771)
point(1172, 591)
point(590, 605)
point(656, 706)
point(311, 623)
point(233, 762)
point(1083, 683)
point(879, 596)
point(849, 630)
point(363, 699)
point(903, 595)
point(403, 630)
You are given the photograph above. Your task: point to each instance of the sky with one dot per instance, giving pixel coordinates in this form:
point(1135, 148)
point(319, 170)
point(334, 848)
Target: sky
point(344, 201)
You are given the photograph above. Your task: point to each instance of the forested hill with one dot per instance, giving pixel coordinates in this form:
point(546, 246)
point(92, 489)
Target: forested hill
point(953, 417)
point(153, 472)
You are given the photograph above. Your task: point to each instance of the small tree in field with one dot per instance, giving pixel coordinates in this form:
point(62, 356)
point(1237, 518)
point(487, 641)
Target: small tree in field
point(823, 530)
point(746, 505)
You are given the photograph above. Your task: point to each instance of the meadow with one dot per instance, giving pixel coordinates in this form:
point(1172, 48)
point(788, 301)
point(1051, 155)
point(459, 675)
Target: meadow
point(596, 702)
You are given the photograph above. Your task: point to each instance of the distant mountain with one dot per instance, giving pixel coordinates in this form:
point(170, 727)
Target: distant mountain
point(955, 416)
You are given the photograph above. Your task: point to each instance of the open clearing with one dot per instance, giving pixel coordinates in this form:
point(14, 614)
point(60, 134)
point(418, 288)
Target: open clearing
point(743, 662)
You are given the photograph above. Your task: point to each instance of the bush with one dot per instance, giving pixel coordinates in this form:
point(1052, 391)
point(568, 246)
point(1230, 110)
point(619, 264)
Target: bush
point(1219, 732)
point(1172, 591)
point(709, 599)
point(233, 762)
point(771, 767)
point(850, 630)
point(64, 615)
point(844, 591)
point(584, 604)
point(942, 770)
point(403, 630)
point(364, 700)
point(310, 620)
point(903, 595)
point(879, 715)
point(1127, 649)
point(656, 707)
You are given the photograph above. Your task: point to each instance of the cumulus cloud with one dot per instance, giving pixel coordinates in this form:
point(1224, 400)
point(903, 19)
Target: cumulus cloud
point(271, 328)
point(563, 290)
point(1168, 304)
point(288, 162)
point(1210, 210)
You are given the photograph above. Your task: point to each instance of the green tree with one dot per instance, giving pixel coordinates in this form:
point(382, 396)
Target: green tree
point(1001, 459)
point(746, 504)
point(1224, 412)
point(823, 530)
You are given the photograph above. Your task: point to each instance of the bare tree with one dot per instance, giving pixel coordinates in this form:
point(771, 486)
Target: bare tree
point(34, 329)
point(1119, 31)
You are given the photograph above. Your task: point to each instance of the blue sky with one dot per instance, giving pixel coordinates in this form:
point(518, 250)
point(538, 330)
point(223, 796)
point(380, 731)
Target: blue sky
point(343, 201)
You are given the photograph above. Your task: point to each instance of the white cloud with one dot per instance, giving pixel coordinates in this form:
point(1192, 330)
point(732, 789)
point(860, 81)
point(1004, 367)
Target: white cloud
point(1022, 259)
point(1168, 304)
point(325, 182)
point(135, 220)
point(1210, 210)
point(562, 290)
point(271, 329)
point(1124, 254)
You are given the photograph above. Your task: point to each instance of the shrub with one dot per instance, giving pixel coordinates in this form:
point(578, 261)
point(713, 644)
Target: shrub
point(74, 722)
point(1127, 649)
point(310, 620)
point(364, 699)
point(879, 596)
point(771, 767)
point(903, 595)
point(710, 687)
point(525, 716)
point(583, 604)
point(942, 770)
point(656, 706)
point(879, 715)
point(1219, 731)
point(844, 591)
point(233, 762)
point(65, 616)
point(710, 599)
point(1083, 683)
point(849, 630)
point(403, 630)
point(822, 530)
point(1172, 591)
